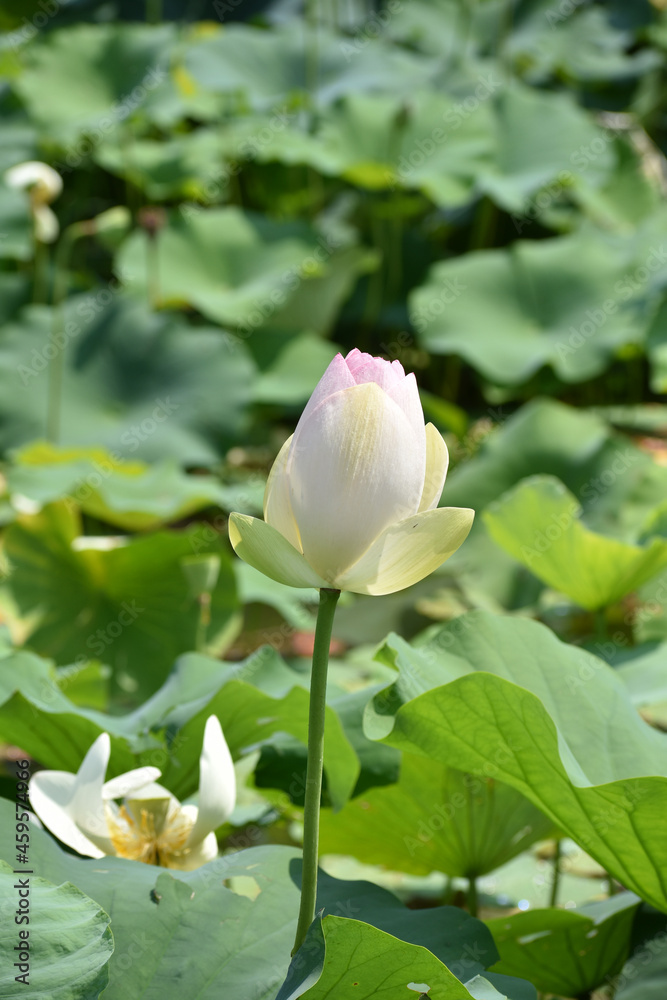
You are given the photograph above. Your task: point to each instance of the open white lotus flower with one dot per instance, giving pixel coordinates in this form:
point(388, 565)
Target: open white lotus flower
point(43, 185)
point(150, 825)
point(352, 499)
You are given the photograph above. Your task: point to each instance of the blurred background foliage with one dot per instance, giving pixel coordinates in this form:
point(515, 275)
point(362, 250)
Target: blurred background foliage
point(476, 188)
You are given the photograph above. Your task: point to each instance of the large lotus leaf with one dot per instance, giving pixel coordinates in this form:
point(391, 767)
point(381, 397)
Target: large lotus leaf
point(642, 670)
point(167, 730)
point(438, 27)
point(315, 304)
point(183, 165)
point(67, 938)
point(616, 483)
point(128, 605)
point(426, 144)
point(295, 372)
point(538, 522)
point(568, 952)
point(625, 198)
point(290, 603)
point(268, 69)
point(129, 495)
point(14, 293)
point(135, 382)
point(176, 924)
point(446, 933)
point(643, 975)
point(283, 761)
point(221, 262)
point(18, 141)
point(578, 43)
point(16, 225)
point(448, 146)
point(199, 687)
point(378, 141)
point(567, 302)
point(435, 819)
point(537, 137)
point(91, 77)
point(549, 719)
point(570, 42)
point(348, 958)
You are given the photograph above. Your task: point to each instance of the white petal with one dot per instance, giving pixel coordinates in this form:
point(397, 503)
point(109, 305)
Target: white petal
point(277, 503)
point(50, 795)
point(129, 782)
point(217, 783)
point(87, 806)
point(407, 552)
point(151, 793)
point(336, 377)
point(366, 368)
point(199, 855)
point(437, 462)
point(47, 226)
point(406, 395)
point(263, 547)
point(34, 172)
point(354, 468)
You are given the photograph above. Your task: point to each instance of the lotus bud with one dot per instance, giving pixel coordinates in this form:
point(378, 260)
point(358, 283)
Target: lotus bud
point(43, 185)
point(351, 502)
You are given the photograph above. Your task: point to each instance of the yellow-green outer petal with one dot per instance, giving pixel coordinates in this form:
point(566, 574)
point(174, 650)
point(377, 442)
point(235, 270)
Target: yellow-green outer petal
point(263, 547)
point(408, 551)
point(277, 505)
point(437, 462)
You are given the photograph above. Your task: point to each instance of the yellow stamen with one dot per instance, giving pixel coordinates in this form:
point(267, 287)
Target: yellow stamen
point(136, 838)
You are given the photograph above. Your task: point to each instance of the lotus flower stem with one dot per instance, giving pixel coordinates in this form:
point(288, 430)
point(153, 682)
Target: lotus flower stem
point(56, 368)
point(316, 716)
point(40, 284)
point(553, 899)
point(472, 898)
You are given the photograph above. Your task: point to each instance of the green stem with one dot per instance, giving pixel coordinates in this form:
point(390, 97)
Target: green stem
point(556, 879)
point(316, 717)
point(472, 900)
point(484, 227)
point(40, 284)
point(375, 286)
point(204, 622)
point(601, 624)
point(57, 365)
point(152, 270)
